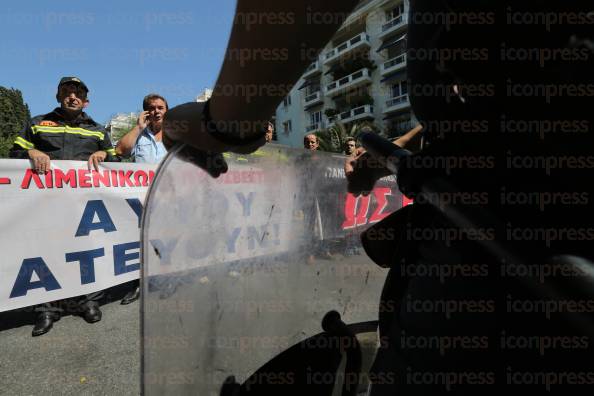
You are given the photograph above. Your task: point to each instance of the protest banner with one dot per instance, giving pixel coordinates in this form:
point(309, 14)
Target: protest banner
point(69, 232)
point(74, 231)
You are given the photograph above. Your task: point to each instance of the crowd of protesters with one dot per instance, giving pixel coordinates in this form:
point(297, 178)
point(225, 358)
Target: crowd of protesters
point(69, 133)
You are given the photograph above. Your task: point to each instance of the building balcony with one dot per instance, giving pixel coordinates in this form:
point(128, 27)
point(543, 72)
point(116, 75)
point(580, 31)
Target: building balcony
point(360, 41)
point(396, 104)
point(314, 68)
point(394, 25)
point(358, 113)
point(318, 126)
point(313, 99)
point(354, 80)
point(393, 64)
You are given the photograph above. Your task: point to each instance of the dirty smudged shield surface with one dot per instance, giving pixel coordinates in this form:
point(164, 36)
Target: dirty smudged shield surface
point(236, 269)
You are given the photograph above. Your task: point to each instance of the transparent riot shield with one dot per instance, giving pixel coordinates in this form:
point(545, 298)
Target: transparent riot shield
point(240, 269)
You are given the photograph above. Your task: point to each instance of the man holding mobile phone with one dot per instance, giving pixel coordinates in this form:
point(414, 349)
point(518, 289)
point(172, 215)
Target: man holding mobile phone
point(144, 141)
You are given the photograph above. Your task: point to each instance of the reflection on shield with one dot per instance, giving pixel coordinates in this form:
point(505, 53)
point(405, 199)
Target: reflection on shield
point(256, 280)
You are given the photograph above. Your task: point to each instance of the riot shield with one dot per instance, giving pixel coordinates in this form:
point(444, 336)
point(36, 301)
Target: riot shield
point(240, 269)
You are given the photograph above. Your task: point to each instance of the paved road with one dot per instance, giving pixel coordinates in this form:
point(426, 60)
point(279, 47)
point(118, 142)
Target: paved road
point(77, 358)
point(74, 358)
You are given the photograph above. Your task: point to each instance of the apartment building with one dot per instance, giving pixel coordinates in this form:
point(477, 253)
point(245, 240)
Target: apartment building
point(120, 124)
point(359, 76)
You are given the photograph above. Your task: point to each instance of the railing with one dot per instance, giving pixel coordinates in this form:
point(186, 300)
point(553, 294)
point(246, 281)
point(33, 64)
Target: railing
point(347, 46)
point(397, 100)
point(315, 66)
point(394, 61)
point(313, 97)
point(357, 111)
point(359, 74)
point(402, 18)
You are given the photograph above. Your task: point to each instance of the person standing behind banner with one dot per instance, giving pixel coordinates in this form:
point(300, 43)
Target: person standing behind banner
point(144, 143)
point(66, 133)
point(310, 142)
point(350, 146)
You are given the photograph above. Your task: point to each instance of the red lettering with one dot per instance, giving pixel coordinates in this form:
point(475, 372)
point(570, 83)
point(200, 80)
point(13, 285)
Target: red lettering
point(99, 179)
point(151, 177)
point(354, 217)
point(84, 180)
point(30, 174)
point(62, 178)
point(114, 178)
point(363, 209)
point(349, 211)
point(140, 175)
point(246, 177)
point(380, 194)
point(49, 179)
point(124, 178)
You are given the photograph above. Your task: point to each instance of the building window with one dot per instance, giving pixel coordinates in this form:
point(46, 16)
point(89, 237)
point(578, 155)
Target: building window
point(315, 118)
point(287, 127)
point(395, 12)
point(399, 89)
point(396, 50)
point(287, 100)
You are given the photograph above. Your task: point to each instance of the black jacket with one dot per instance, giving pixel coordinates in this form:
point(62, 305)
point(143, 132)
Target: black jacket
point(61, 139)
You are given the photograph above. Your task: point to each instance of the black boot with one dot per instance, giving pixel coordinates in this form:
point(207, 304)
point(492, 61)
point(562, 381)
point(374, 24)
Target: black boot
point(91, 313)
point(44, 323)
point(132, 296)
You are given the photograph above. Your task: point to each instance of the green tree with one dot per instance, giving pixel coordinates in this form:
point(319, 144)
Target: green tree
point(333, 139)
point(14, 114)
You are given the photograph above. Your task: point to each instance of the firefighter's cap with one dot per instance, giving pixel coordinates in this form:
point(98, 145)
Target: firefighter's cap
point(76, 80)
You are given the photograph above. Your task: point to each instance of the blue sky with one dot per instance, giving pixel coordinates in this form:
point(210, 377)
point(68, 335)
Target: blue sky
point(121, 49)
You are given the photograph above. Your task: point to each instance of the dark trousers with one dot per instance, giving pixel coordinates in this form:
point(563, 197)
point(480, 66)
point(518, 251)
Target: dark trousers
point(71, 305)
point(133, 285)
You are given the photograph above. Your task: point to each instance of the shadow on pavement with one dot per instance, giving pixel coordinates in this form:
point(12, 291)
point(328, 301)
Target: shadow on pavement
point(26, 316)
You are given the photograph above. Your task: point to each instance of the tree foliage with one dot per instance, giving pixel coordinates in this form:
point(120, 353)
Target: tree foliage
point(14, 114)
point(333, 139)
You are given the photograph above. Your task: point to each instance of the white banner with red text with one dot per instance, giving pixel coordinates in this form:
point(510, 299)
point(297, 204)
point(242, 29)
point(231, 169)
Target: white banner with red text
point(68, 232)
point(73, 231)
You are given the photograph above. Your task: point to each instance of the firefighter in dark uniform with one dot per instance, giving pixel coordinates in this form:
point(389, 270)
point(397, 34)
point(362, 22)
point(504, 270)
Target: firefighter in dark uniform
point(66, 133)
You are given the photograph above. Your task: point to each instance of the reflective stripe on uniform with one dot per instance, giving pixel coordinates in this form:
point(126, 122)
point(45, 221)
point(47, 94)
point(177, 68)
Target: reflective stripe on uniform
point(66, 129)
point(110, 151)
point(23, 143)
